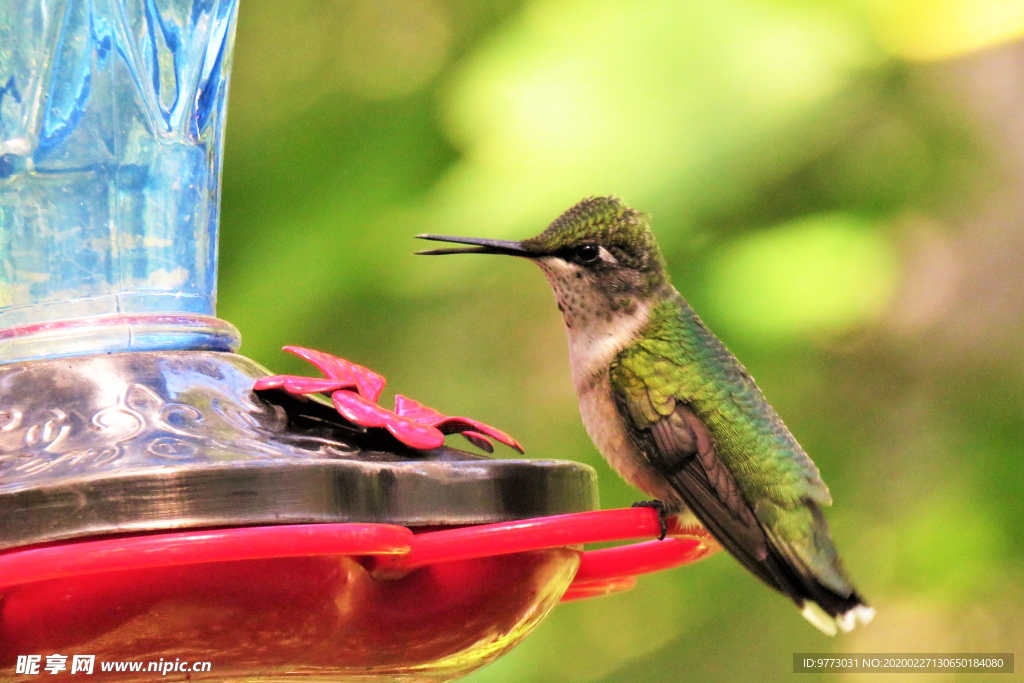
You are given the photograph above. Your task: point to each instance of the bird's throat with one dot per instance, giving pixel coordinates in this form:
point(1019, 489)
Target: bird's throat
point(598, 327)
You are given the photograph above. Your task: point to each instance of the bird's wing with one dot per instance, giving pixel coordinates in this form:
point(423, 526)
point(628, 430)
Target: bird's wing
point(679, 447)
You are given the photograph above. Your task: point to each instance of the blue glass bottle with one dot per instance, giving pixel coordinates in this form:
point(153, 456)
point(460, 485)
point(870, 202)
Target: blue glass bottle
point(111, 137)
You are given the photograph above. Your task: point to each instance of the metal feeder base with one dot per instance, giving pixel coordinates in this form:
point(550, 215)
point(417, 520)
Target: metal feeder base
point(165, 440)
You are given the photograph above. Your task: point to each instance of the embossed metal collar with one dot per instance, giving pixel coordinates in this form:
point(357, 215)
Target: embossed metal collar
point(145, 441)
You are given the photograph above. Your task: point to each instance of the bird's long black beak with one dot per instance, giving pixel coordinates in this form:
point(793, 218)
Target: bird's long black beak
point(480, 246)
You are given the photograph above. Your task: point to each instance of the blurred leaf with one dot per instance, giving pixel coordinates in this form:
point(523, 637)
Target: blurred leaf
point(579, 98)
point(940, 29)
point(822, 274)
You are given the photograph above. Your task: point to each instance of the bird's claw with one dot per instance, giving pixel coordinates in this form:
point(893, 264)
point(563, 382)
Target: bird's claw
point(662, 514)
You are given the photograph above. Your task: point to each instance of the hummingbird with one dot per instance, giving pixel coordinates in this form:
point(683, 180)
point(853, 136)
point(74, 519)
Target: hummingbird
point(676, 414)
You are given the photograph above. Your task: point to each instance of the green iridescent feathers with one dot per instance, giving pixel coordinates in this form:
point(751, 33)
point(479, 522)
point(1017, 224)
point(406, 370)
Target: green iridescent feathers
point(677, 359)
point(623, 231)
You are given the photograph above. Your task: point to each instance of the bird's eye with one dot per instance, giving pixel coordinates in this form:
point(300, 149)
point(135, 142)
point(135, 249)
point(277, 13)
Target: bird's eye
point(587, 253)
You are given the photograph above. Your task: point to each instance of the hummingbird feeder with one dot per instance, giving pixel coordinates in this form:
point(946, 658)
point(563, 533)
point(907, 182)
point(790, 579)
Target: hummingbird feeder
point(163, 499)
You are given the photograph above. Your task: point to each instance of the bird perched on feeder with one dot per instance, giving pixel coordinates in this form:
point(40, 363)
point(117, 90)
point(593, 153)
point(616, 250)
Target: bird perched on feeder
point(676, 414)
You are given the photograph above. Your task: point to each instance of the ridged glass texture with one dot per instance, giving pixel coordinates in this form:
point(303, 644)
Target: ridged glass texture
point(111, 132)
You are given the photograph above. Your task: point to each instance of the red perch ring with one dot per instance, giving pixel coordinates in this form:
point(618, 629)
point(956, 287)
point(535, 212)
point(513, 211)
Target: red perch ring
point(322, 599)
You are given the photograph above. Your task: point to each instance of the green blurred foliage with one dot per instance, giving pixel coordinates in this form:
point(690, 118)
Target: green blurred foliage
point(846, 221)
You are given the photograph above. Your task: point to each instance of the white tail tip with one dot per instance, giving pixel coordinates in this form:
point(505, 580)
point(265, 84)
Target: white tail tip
point(819, 618)
point(844, 622)
point(864, 614)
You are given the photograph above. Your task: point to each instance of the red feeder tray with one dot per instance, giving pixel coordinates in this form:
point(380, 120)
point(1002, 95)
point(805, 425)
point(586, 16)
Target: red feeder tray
point(345, 601)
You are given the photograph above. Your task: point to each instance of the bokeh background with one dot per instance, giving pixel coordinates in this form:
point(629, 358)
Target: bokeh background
point(838, 187)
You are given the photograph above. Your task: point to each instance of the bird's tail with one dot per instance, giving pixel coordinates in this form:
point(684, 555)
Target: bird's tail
point(838, 615)
point(822, 591)
point(809, 573)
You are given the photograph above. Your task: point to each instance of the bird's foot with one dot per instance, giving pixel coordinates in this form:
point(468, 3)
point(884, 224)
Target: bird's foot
point(662, 514)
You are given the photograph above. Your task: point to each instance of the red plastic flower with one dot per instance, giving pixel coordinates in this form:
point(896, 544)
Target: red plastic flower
point(411, 422)
point(340, 374)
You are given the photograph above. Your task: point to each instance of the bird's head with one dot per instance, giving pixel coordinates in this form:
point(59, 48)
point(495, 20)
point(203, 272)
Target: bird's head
point(599, 256)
